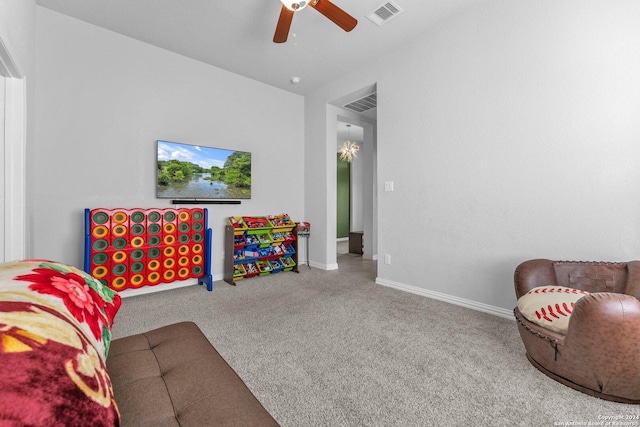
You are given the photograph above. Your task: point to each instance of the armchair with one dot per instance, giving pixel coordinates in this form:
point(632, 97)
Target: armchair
point(598, 350)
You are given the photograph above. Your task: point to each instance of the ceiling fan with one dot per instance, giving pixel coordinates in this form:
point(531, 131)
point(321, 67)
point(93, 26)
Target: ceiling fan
point(338, 16)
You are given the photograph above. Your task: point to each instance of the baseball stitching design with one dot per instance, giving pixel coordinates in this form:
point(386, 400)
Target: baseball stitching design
point(557, 290)
point(559, 311)
point(551, 312)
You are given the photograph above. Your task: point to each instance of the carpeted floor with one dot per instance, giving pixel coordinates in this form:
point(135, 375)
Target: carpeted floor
point(332, 348)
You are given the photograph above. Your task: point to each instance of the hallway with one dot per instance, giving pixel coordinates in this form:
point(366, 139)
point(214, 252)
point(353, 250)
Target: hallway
point(354, 263)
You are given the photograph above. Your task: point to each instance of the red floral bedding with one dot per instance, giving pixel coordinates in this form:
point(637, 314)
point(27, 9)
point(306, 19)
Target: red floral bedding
point(55, 330)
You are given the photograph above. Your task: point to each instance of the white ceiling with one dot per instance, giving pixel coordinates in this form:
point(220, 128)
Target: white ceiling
point(237, 35)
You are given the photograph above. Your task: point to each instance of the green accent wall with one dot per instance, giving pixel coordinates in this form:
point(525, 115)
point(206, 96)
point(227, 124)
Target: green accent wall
point(344, 198)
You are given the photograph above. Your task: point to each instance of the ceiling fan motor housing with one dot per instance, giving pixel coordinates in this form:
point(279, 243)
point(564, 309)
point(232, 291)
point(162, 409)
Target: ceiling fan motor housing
point(325, 7)
point(294, 5)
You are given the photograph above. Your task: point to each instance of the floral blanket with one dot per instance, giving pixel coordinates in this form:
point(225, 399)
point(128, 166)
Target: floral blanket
point(55, 330)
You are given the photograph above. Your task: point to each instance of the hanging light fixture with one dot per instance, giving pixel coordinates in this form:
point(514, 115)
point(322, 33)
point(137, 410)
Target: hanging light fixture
point(349, 150)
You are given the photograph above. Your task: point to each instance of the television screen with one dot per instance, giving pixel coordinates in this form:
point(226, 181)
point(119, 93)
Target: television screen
point(188, 171)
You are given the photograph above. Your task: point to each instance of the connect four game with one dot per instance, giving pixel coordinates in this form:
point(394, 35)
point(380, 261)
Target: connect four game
point(132, 248)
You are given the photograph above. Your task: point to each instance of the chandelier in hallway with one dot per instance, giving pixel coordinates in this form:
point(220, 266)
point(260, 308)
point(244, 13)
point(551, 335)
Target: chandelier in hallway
point(349, 150)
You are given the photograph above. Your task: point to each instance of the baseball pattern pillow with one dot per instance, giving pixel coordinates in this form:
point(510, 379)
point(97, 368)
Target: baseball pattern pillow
point(550, 306)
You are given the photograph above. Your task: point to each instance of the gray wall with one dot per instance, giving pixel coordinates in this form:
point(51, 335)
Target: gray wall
point(102, 102)
point(17, 31)
point(511, 132)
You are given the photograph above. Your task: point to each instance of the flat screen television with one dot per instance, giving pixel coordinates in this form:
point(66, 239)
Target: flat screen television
point(194, 172)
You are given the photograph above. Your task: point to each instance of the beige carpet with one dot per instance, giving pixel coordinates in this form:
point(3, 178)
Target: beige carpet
point(331, 348)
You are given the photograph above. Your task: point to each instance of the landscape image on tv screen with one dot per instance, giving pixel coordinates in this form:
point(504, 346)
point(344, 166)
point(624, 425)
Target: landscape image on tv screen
point(187, 171)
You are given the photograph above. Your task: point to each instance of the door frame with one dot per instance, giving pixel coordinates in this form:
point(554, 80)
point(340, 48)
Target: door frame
point(13, 143)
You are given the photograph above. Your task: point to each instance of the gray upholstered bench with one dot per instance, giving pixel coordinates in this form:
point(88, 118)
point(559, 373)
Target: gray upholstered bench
point(173, 376)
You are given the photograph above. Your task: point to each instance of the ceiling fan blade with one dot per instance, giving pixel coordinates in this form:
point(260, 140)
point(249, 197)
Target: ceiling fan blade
point(284, 23)
point(339, 17)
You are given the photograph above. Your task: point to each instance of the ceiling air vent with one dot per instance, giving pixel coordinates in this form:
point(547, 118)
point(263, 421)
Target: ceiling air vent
point(363, 104)
point(384, 13)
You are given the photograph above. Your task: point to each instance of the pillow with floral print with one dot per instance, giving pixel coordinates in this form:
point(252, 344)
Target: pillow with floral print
point(55, 330)
point(88, 300)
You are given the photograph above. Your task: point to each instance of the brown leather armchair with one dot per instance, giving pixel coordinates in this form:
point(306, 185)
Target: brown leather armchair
point(600, 353)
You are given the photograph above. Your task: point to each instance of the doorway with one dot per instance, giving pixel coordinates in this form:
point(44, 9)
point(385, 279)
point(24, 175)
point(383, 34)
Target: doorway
point(349, 187)
point(343, 193)
point(3, 161)
point(354, 180)
point(343, 202)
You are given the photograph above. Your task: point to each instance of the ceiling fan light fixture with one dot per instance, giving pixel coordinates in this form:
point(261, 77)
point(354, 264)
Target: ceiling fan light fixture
point(289, 7)
point(293, 5)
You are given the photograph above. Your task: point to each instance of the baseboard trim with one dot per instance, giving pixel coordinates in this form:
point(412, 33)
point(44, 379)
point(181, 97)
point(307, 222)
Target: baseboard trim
point(474, 305)
point(320, 266)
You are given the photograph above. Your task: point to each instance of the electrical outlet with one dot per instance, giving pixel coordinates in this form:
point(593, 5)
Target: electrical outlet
point(388, 186)
point(387, 259)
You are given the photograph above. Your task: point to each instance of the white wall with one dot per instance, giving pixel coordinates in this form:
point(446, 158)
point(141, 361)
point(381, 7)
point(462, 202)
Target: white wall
point(102, 102)
point(511, 132)
point(320, 181)
point(17, 31)
point(17, 58)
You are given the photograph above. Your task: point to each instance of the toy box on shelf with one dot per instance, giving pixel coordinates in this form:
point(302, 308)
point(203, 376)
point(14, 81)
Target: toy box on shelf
point(288, 263)
point(281, 222)
point(276, 266)
point(238, 225)
point(257, 222)
point(259, 246)
point(239, 272)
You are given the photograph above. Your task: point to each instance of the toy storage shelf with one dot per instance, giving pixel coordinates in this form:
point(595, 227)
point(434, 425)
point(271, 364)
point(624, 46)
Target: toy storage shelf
point(254, 247)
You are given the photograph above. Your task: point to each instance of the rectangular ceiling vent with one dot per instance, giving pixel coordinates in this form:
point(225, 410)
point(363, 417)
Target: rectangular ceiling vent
point(363, 104)
point(384, 13)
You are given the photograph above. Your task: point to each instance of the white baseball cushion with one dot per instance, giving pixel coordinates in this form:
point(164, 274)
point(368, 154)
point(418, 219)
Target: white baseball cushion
point(550, 306)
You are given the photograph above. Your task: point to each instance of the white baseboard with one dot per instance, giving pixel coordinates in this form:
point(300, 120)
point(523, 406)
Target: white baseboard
point(474, 305)
point(319, 266)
